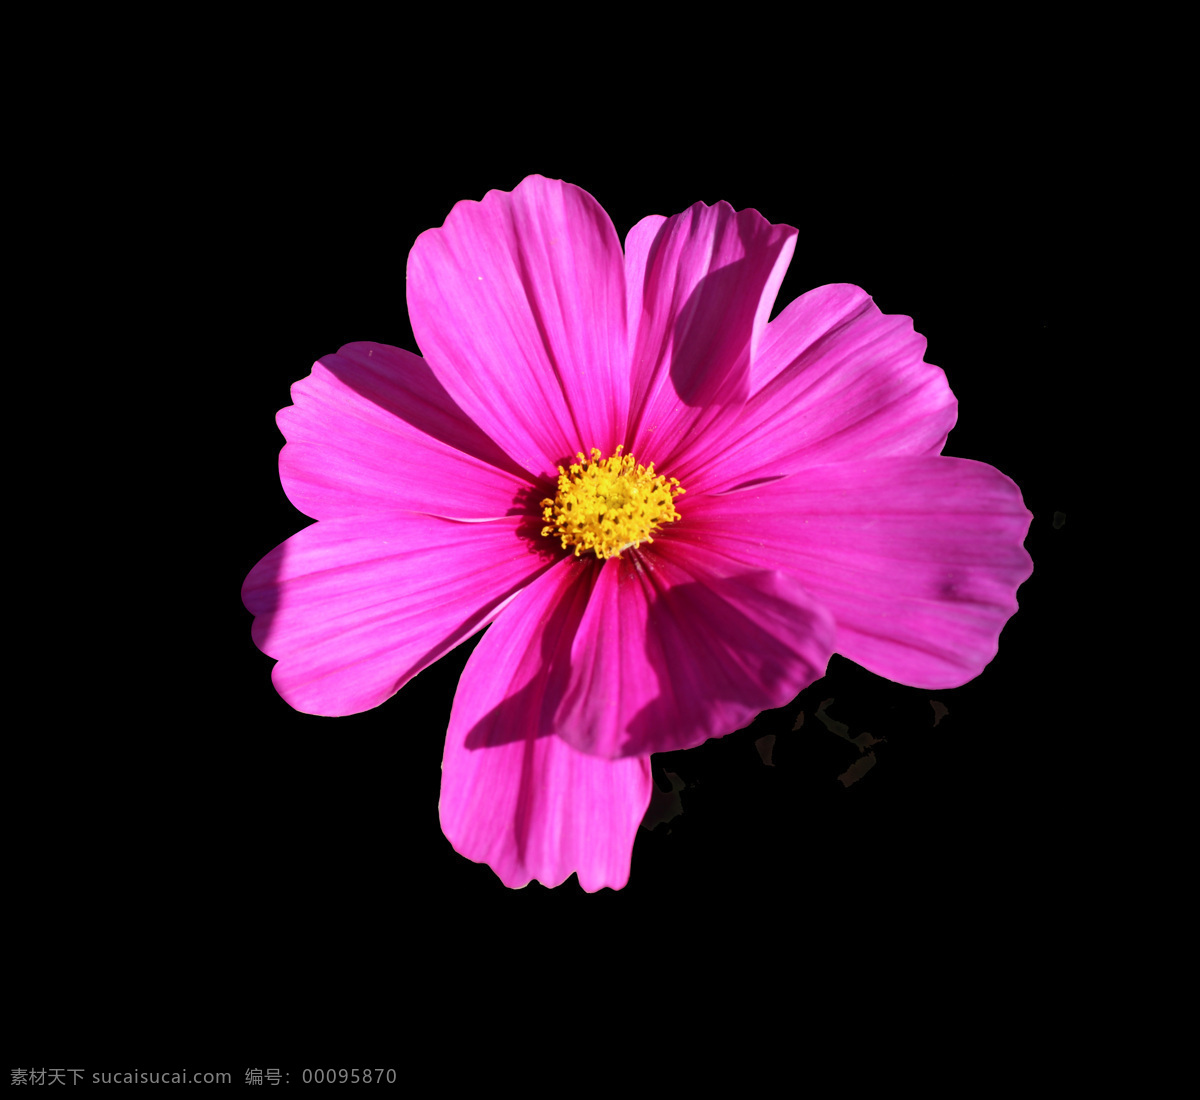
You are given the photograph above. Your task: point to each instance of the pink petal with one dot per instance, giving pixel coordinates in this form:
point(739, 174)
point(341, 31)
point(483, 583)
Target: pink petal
point(373, 431)
point(835, 380)
point(709, 278)
point(354, 608)
point(518, 303)
point(657, 650)
point(529, 805)
point(638, 243)
point(918, 559)
point(678, 644)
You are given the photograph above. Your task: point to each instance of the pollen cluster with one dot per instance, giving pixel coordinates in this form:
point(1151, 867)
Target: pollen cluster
point(604, 506)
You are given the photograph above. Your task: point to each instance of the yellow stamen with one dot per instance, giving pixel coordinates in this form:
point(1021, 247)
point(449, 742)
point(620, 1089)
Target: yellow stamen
point(606, 506)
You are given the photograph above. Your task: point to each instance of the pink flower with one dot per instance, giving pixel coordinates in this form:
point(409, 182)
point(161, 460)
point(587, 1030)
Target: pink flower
point(671, 511)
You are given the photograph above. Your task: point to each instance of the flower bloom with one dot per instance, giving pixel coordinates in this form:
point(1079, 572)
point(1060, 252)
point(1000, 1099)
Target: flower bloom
point(670, 509)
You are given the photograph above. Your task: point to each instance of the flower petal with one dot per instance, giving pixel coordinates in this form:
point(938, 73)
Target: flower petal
point(835, 380)
point(918, 559)
point(518, 303)
point(354, 608)
point(373, 431)
point(678, 644)
point(709, 278)
point(638, 243)
point(659, 649)
point(529, 805)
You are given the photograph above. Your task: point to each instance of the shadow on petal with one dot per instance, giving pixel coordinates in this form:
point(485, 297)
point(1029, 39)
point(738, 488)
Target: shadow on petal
point(637, 656)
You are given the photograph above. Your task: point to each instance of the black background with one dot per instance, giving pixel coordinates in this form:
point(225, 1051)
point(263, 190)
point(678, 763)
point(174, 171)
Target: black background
point(202, 869)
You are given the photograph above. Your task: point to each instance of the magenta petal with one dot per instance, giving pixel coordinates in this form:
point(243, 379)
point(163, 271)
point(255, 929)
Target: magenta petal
point(918, 559)
point(835, 380)
point(660, 649)
point(708, 278)
point(373, 431)
point(677, 644)
point(638, 243)
point(518, 303)
point(354, 608)
point(531, 806)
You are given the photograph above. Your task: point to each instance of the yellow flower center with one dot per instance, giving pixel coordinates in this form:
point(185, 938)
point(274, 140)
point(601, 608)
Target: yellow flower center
point(609, 505)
